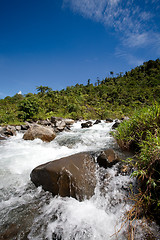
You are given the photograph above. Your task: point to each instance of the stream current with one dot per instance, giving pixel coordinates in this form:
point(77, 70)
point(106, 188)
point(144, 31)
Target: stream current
point(27, 212)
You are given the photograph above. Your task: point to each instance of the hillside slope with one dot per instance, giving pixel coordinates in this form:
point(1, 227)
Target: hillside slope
point(111, 97)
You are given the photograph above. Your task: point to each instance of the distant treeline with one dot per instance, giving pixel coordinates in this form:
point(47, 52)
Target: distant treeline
point(114, 96)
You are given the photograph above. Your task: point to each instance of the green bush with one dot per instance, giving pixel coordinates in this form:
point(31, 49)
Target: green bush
point(130, 133)
point(143, 132)
point(28, 108)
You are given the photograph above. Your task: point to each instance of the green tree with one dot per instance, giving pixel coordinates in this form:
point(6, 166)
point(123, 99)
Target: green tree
point(28, 108)
point(43, 89)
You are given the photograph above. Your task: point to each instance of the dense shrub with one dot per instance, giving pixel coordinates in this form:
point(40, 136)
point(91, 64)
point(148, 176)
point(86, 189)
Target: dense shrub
point(143, 129)
point(28, 108)
point(131, 133)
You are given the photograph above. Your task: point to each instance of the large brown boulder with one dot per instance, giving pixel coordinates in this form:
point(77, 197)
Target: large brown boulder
point(72, 176)
point(107, 158)
point(46, 134)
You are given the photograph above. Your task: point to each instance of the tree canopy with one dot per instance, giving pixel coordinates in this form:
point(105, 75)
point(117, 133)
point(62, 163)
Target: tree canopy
point(109, 97)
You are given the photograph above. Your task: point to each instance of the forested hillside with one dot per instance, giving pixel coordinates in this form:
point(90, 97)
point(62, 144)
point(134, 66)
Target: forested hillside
point(114, 96)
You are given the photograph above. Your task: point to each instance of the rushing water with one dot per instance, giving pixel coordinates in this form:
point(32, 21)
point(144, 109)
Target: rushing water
point(27, 212)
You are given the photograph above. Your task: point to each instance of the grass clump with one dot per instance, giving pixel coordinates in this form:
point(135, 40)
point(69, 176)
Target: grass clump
point(142, 132)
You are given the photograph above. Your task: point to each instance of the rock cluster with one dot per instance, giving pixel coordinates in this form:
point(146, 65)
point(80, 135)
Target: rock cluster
point(44, 129)
point(72, 176)
point(7, 131)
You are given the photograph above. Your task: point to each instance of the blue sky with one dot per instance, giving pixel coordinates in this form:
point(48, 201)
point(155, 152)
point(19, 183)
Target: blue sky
point(60, 43)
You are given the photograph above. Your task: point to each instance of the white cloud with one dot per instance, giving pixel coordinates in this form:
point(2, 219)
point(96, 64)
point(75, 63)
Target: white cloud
point(137, 40)
point(130, 58)
point(20, 92)
point(124, 16)
point(134, 24)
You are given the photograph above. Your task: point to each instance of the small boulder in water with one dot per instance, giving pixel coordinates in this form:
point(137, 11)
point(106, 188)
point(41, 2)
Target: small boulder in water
point(69, 121)
point(97, 121)
point(25, 127)
point(109, 120)
point(72, 176)
point(2, 137)
point(86, 124)
point(8, 131)
point(46, 134)
point(59, 123)
point(107, 158)
point(116, 124)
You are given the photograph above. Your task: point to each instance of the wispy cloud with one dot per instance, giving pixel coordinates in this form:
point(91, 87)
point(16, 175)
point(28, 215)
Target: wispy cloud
point(131, 59)
point(132, 21)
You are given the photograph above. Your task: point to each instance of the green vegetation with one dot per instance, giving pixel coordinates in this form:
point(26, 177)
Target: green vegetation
point(143, 132)
point(135, 94)
point(111, 97)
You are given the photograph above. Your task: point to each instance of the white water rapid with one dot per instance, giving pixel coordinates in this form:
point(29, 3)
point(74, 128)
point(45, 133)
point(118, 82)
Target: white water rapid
point(27, 212)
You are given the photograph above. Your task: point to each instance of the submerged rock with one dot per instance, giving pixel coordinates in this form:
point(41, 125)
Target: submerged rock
point(72, 176)
point(46, 134)
point(107, 158)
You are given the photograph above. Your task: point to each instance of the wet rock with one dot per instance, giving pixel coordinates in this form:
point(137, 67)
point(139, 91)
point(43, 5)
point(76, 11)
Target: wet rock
point(116, 124)
point(125, 169)
point(18, 128)
point(108, 120)
point(72, 176)
point(10, 233)
point(25, 127)
point(44, 122)
point(97, 121)
point(125, 118)
point(86, 124)
point(107, 158)
point(69, 121)
point(8, 131)
point(55, 119)
point(60, 124)
point(2, 137)
point(46, 134)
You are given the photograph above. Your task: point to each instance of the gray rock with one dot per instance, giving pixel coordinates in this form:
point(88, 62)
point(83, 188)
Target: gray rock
point(18, 128)
point(8, 131)
point(44, 122)
point(69, 121)
point(25, 127)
